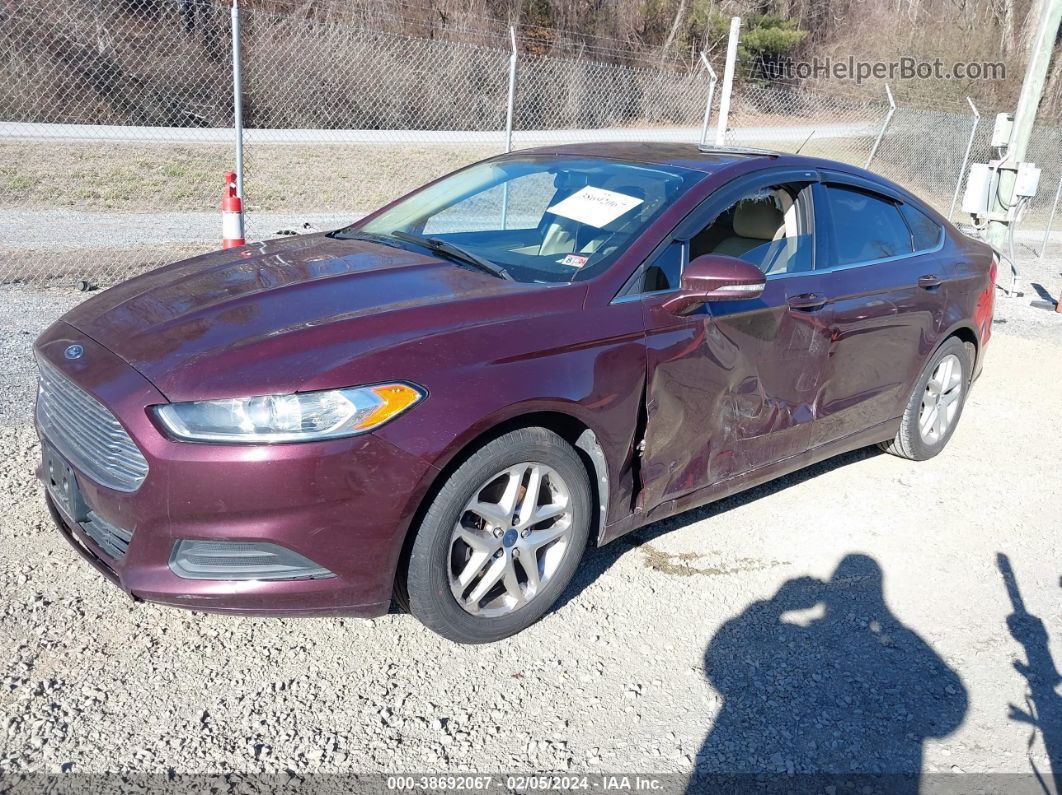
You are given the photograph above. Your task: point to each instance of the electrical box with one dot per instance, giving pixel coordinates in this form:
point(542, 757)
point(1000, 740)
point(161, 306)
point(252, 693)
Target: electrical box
point(1028, 180)
point(1001, 131)
point(978, 189)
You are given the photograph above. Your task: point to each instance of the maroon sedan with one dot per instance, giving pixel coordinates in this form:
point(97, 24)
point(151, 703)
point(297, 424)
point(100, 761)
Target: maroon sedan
point(445, 402)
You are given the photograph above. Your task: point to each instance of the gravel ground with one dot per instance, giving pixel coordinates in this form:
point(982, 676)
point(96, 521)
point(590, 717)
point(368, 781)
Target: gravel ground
point(852, 617)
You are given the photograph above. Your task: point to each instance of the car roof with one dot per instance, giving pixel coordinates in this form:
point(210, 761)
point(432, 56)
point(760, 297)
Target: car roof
point(710, 159)
point(657, 153)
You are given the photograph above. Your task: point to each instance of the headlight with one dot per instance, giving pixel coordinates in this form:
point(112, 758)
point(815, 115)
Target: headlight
point(301, 417)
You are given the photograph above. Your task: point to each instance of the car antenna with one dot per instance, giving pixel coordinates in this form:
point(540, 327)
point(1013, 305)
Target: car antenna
point(799, 148)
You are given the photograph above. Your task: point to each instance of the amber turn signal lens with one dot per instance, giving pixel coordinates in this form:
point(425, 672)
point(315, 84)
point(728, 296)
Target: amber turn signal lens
point(394, 399)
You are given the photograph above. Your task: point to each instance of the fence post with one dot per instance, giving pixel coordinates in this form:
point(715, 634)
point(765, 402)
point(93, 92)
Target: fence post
point(965, 157)
point(728, 81)
point(512, 92)
point(509, 124)
point(711, 95)
point(884, 127)
point(237, 96)
point(1050, 221)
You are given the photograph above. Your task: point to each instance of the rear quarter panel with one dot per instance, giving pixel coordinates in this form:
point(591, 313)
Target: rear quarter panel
point(972, 289)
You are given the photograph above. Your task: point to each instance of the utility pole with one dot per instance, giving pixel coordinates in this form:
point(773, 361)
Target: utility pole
point(1032, 88)
point(728, 80)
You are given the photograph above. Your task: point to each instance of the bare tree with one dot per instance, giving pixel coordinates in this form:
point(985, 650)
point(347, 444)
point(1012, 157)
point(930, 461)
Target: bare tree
point(680, 12)
point(1006, 34)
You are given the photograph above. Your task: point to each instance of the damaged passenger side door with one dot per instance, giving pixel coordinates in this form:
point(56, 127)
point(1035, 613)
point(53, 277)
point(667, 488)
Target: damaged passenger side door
point(730, 384)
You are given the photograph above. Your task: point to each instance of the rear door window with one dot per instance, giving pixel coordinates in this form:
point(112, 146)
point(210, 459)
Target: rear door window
point(865, 227)
point(925, 231)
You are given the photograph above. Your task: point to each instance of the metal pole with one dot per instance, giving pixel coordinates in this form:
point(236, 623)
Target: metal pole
point(728, 81)
point(1032, 89)
point(509, 124)
point(1050, 220)
point(711, 95)
point(965, 157)
point(884, 127)
point(512, 92)
point(237, 96)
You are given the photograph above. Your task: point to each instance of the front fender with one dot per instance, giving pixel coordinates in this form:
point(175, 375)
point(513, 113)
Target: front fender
point(588, 374)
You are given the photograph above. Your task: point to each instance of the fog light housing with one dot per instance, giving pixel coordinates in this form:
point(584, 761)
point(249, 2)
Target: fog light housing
point(242, 560)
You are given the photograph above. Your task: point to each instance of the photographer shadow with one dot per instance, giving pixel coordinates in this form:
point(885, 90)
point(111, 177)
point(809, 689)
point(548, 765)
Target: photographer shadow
point(823, 685)
point(1043, 704)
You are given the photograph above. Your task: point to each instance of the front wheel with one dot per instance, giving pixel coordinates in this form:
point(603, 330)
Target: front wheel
point(935, 405)
point(502, 538)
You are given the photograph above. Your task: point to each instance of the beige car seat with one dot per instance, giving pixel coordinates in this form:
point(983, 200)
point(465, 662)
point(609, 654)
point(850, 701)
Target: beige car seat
point(756, 221)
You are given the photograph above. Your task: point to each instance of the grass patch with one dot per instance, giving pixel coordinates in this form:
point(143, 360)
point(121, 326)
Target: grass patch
point(165, 177)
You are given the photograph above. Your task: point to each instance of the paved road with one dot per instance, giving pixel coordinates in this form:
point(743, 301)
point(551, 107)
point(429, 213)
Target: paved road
point(86, 132)
point(69, 230)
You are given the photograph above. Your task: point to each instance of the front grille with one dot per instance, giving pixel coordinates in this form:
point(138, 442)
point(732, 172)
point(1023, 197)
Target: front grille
point(86, 433)
point(111, 539)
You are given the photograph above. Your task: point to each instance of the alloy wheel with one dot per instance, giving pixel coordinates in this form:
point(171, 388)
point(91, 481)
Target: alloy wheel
point(510, 539)
point(940, 402)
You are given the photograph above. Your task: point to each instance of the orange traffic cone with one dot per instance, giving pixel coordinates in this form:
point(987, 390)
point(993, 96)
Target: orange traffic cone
point(231, 214)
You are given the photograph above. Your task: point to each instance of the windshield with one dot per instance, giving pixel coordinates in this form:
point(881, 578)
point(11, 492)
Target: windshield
point(537, 217)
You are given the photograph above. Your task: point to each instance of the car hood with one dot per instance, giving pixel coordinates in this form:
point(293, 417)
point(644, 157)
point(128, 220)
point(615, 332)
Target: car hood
point(280, 316)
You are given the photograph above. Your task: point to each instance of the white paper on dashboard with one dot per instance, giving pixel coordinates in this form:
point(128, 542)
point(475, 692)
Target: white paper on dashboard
point(594, 206)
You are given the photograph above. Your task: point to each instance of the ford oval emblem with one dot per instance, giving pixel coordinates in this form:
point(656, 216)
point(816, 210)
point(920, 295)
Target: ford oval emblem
point(73, 352)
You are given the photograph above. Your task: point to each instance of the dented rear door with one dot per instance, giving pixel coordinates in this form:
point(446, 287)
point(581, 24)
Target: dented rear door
point(885, 318)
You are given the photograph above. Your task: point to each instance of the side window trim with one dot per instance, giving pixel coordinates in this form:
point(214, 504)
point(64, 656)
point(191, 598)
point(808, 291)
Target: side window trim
point(908, 227)
point(817, 218)
point(810, 222)
point(830, 176)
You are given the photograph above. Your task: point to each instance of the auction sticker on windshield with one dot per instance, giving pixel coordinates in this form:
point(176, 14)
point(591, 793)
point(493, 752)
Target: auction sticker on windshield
point(594, 206)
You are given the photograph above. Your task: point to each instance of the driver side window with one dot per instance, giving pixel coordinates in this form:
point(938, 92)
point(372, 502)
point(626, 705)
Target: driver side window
point(770, 227)
point(767, 228)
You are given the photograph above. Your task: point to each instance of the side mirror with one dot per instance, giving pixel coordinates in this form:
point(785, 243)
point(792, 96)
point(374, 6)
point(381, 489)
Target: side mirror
point(715, 277)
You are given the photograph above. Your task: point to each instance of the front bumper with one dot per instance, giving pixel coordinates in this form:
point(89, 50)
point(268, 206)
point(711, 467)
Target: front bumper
point(345, 504)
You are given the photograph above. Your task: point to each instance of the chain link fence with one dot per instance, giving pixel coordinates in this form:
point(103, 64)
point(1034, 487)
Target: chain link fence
point(115, 124)
point(818, 124)
point(921, 149)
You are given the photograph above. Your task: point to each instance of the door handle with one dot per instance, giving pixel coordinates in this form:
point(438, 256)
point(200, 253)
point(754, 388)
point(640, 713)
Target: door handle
point(929, 281)
point(806, 302)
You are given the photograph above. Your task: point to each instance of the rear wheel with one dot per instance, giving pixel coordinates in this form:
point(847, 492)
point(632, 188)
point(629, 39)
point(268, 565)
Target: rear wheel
point(935, 405)
point(502, 538)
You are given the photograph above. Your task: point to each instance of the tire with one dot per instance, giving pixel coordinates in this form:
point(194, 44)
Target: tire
point(911, 441)
point(463, 531)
